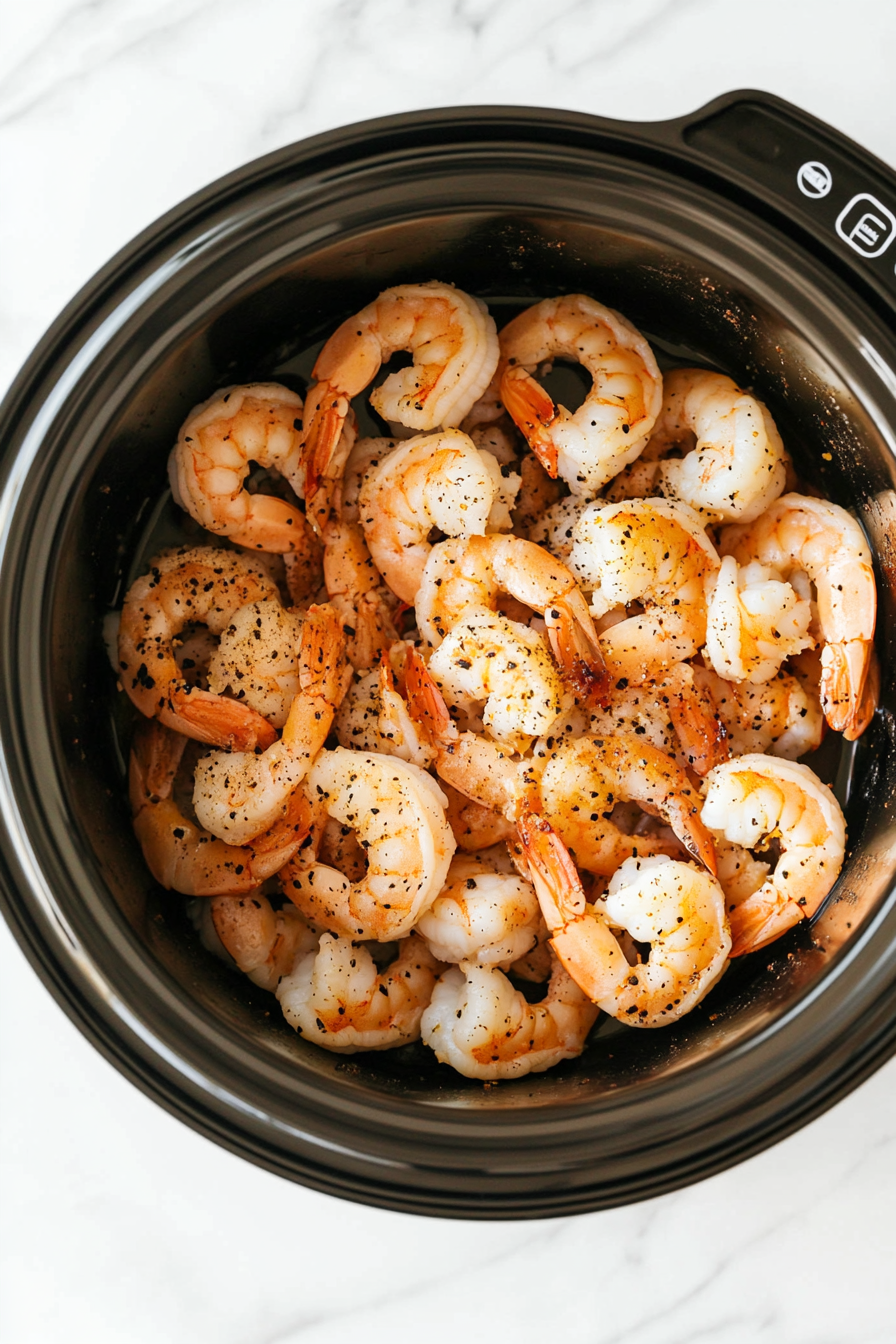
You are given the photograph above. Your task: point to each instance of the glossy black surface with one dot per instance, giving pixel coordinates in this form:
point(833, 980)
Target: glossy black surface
point(706, 246)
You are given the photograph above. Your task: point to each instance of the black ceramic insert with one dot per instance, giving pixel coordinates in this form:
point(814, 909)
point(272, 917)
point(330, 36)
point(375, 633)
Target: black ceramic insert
point(749, 237)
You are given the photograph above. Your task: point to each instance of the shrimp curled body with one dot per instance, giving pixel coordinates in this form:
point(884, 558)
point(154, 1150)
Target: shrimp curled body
point(589, 446)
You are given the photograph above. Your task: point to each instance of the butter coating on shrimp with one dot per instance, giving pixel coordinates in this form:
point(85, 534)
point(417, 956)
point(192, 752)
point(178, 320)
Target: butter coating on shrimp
point(481, 916)
point(455, 348)
point(484, 1028)
point(460, 574)
point(755, 799)
point(336, 997)
point(655, 553)
point(737, 467)
point(798, 533)
point(398, 813)
point(257, 422)
point(238, 795)
point(435, 480)
point(181, 855)
point(589, 446)
point(190, 584)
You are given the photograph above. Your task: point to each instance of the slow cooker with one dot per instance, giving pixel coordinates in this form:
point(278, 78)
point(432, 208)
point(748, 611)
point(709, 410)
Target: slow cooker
point(749, 237)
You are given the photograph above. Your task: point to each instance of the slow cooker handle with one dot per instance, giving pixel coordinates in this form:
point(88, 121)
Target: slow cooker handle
point(796, 166)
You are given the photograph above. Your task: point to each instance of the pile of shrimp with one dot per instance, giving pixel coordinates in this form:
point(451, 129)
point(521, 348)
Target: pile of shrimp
point(474, 731)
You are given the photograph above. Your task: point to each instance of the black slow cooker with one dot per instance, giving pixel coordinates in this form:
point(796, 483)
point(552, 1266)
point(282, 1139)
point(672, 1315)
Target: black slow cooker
point(749, 237)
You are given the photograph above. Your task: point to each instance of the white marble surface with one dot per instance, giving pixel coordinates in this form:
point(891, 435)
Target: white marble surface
point(117, 1222)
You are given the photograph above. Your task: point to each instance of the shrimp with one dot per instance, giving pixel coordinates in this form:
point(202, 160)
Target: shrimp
point(755, 799)
point(555, 529)
point(256, 659)
point(455, 347)
point(753, 622)
point(782, 716)
point(676, 714)
point(398, 813)
point(480, 916)
point(335, 996)
point(238, 795)
point(589, 446)
point(654, 553)
point(434, 480)
point(374, 717)
point(674, 906)
point(474, 572)
point(586, 777)
point(475, 766)
point(505, 665)
point(738, 466)
point(187, 585)
point(538, 493)
point(484, 1028)
point(820, 539)
point(355, 589)
point(263, 942)
point(258, 422)
point(474, 827)
point(179, 854)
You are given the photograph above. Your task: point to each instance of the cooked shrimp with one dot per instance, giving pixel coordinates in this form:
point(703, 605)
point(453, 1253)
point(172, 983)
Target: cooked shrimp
point(676, 907)
point(755, 799)
point(538, 492)
point(263, 942)
point(820, 539)
point(336, 998)
point(474, 765)
point(474, 572)
point(455, 348)
point(589, 446)
point(481, 916)
point(257, 659)
point(674, 713)
point(180, 855)
point(754, 620)
point(586, 777)
point(398, 813)
point(238, 795)
point(782, 716)
point(356, 591)
point(738, 466)
point(259, 422)
point(654, 553)
point(555, 529)
point(183, 586)
point(483, 1027)
point(433, 480)
point(475, 827)
point(374, 717)
point(506, 666)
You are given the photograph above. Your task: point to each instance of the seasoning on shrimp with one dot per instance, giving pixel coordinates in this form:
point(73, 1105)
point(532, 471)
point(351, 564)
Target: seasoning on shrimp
point(190, 584)
point(336, 997)
point(589, 446)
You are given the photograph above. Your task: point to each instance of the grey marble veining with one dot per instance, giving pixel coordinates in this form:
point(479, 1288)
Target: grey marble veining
point(117, 1222)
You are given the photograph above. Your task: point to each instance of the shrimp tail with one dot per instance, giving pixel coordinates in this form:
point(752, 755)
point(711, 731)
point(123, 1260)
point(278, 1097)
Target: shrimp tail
point(217, 720)
point(533, 413)
point(758, 921)
point(553, 873)
point(325, 414)
point(699, 726)
point(844, 679)
point(577, 649)
point(426, 704)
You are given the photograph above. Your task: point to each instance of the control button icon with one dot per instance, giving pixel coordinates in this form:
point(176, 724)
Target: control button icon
point(866, 225)
point(814, 179)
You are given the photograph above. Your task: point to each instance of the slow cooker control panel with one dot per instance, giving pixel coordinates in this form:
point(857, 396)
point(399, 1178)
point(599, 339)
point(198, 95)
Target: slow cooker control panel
point(848, 203)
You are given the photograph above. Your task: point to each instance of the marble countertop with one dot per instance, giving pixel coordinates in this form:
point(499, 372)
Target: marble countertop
point(117, 1222)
